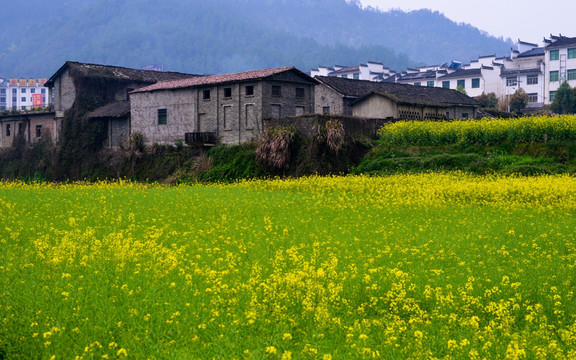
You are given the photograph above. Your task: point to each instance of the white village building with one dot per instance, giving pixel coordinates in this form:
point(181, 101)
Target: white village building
point(560, 59)
point(373, 71)
point(538, 70)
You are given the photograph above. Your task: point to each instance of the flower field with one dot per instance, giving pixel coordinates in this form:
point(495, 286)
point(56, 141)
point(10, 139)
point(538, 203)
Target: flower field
point(436, 266)
point(480, 132)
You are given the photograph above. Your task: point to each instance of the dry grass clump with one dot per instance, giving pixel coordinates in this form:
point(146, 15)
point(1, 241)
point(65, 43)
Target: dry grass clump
point(275, 147)
point(332, 134)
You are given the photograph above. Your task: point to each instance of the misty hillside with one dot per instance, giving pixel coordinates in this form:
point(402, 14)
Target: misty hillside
point(217, 36)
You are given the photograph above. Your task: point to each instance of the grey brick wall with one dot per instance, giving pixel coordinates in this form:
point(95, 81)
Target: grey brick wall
point(234, 115)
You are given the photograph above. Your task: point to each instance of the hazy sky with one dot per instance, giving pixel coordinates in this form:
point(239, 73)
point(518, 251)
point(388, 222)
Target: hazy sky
point(527, 20)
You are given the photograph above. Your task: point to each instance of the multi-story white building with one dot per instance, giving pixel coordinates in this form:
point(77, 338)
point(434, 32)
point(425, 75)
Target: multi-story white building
point(475, 78)
point(524, 69)
point(23, 94)
point(560, 59)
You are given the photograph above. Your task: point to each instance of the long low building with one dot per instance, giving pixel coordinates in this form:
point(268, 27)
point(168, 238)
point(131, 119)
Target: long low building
point(383, 100)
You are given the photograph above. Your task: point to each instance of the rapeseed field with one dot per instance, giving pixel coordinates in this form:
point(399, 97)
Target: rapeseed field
point(433, 266)
point(527, 129)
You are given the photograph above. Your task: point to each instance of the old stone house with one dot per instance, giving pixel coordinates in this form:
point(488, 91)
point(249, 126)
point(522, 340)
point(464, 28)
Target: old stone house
point(223, 109)
point(79, 89)
point(386, 100)
point(30, 125)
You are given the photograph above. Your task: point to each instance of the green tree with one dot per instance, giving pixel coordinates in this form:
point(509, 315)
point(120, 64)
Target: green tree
point(565, 100)
point(489, 100)
point(492, 100)
point(461, 89)
point(518, 100)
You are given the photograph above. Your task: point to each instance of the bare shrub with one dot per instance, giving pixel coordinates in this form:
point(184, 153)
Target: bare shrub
point(332, 134)
point(203, 163)
point(275, 147)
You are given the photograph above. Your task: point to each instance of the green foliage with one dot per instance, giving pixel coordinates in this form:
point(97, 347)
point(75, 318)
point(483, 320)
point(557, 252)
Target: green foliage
point(518, 100)
point(489, 101)
point(230, 163)
point(28, 161)
point(461, 89)
point(564, 100)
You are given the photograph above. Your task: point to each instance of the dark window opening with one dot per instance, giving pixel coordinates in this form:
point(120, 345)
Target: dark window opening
point(7, 129)
point(227, 92)
point(276, 91)
point(300, 93)
point(38, 131)
point(249, 90)
point(162, 116)
point(206, 94)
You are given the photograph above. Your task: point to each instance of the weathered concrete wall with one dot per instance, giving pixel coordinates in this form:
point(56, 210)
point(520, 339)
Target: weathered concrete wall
point(25, 125)
point(239, 115)
point(329, 99)
point(9, 130)
point(376, 107)
point(228, 110)
point(118, 132)
point(44, 127)
point(180, 110)
point(64, 93)
point(289, 103)
point(457, 112)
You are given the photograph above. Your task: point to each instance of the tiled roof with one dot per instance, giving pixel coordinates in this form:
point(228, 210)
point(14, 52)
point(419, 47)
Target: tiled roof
point(116, 109)
point(403, 93)
point(533, 52)
point(527, 43)
point(117, 72)
point(562, 41)
point(508, 72)
point(220, 79)
point(345, 70)
point(463, 73)
point(430, 74)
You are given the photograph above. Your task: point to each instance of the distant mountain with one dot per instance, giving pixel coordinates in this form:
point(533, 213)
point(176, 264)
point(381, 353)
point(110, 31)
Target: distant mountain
point(218, 36)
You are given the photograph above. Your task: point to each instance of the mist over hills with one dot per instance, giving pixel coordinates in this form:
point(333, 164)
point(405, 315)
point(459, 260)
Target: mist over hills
point(218, 36)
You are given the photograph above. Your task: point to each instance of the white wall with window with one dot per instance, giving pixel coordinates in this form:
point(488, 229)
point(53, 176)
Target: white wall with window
point(560, 64)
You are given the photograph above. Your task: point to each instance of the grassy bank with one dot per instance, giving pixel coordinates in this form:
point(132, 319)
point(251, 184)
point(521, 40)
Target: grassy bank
point(528, 145)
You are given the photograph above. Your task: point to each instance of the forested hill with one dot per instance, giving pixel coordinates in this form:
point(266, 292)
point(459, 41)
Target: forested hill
point(217, 36)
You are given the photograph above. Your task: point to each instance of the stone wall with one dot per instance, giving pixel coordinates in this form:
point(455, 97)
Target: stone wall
point(352, 125)
point(180, 108)
point(329, 100)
